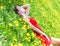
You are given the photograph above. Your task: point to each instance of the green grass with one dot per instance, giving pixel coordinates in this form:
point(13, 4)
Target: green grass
point(15, 31)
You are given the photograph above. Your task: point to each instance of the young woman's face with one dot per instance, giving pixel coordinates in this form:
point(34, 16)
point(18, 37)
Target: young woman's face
point(19, 10)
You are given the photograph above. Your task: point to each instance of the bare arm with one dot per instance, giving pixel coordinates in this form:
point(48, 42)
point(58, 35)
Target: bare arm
point(27, 8)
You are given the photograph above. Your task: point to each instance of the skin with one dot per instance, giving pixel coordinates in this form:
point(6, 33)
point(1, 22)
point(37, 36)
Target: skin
point(24, 12)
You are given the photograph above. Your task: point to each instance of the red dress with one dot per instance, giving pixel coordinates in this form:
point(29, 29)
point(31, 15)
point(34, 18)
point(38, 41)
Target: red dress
point(44, 40)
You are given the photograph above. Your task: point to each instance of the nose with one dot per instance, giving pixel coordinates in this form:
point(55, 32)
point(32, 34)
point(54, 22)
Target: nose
point(15, 9)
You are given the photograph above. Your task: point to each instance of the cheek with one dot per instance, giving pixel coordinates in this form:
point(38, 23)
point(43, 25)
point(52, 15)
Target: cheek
point(21, 13)
point(22, 10)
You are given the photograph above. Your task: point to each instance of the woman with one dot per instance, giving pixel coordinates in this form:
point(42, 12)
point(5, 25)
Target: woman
point(46, 40)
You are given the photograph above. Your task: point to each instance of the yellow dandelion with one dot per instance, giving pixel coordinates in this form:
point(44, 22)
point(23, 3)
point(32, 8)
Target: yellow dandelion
point(16, 23)
point(27, 39)
point(28, 27)
point(20, 19)
point(10, 24)
point(14, 39)
point(15, 45)
point(2, 7)
point(25, 1)
point(33, 35)
point(20, 44)
point(44, 44)
point(24, 27)
point(11, 44)
point(27, 34)
point(21, 34)
point(35, 43)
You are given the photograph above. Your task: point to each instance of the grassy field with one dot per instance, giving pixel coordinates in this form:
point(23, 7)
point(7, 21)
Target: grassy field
point(14, 31)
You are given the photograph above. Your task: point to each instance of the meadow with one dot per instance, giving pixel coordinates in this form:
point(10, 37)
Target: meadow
point(14, 31)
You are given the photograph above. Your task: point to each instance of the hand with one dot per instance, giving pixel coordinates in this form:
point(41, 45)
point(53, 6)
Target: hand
point(55, 41)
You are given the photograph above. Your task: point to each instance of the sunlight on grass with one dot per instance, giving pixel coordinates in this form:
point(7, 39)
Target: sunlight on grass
point(14, 31)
